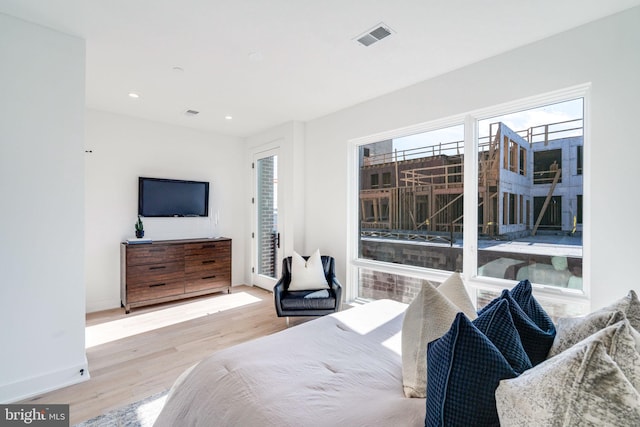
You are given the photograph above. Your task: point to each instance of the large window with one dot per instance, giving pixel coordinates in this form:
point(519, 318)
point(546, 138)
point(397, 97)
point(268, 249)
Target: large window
point(416, 217)
point(500, 203)
point(547, 248)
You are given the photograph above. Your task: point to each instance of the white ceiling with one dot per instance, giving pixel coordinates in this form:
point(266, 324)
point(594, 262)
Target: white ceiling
point(269, 62)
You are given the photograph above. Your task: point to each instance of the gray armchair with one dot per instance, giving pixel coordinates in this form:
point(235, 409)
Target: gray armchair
point(298, 303)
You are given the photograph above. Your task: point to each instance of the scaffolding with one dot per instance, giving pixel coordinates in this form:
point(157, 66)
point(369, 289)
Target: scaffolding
point(422, 189)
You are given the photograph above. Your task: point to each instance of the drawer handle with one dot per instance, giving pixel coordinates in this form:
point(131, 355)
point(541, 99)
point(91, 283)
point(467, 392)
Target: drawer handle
point(208, 246)
point(208, 277)
point(211, 261)
point(157, 284)
point(158, 267)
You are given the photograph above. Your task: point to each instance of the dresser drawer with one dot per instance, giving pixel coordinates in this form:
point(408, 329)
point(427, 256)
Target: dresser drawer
point(161, 272)
point(200, 282)
point(150, 254)
point(149, 291)
point(207, 265)
point(206, 249)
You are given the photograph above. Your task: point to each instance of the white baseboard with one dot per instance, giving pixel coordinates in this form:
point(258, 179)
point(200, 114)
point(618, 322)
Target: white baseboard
point(33, 386)
point(103, 304)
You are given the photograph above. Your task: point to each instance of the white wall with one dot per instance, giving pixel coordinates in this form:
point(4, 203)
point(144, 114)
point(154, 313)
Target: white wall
point(605, 53)
point(124, 148)
point(42, 304)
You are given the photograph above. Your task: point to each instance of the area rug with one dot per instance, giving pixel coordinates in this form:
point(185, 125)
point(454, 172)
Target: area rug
point(138, 414)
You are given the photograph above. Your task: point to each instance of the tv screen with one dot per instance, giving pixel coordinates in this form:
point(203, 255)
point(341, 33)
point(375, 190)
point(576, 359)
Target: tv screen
point(172, 197)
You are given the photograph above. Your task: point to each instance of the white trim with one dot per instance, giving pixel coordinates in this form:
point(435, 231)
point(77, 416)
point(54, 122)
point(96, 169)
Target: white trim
point(353, 186)
point(36, 385)
point(470, 237)
point(586, 194)
point(469, 226)
point(262, 152)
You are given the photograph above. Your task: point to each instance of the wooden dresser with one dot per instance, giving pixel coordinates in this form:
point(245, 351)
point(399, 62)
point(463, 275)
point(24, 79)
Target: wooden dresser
point(168, 270)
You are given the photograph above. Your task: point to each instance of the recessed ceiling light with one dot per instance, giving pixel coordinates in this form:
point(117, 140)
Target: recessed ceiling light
point(134, 95)
point(228, 117)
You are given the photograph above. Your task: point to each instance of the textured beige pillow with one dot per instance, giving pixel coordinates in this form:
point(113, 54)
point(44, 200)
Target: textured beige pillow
point(589, 384)
point(453, 288)
point(307, 275)
point(428, 317)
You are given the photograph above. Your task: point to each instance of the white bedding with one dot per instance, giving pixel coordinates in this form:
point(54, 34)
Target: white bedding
point(344, 369)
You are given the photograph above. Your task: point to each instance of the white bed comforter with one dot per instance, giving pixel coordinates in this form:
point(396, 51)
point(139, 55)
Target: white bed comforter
point(340, 370)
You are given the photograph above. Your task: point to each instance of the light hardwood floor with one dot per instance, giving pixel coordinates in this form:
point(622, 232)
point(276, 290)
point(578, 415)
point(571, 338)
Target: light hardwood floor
point(137, 355)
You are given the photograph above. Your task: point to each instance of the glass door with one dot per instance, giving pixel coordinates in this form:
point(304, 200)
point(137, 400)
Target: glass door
point(266, 235)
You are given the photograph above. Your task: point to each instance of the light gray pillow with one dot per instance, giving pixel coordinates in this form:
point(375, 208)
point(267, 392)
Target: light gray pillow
point(571, 330)
point(622, 343)
point(318, 294)
point(630, 306)
point(592, 383)
point(428, 317)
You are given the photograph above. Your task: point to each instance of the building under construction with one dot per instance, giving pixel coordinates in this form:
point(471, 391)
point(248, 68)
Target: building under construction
point(528, 182)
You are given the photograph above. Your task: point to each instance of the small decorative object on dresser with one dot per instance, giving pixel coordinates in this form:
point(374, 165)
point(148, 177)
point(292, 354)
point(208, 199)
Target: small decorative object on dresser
point(139, 228)
point(168, 270)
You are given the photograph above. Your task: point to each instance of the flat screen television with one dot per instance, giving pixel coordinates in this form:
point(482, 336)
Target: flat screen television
point(158, 197)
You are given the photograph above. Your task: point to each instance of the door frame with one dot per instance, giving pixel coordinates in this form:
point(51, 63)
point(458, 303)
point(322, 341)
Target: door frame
point(257, 279)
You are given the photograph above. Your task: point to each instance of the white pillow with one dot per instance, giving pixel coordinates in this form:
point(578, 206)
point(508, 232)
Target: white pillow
point(454, 289)
point(307, 275)
point(428, 317)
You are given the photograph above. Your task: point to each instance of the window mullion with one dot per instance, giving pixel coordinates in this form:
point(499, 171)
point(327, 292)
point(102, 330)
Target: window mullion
point(470, 229)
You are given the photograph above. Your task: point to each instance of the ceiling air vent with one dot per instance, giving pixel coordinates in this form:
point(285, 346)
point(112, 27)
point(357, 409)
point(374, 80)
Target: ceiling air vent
point(377, 33)
point(191, 113)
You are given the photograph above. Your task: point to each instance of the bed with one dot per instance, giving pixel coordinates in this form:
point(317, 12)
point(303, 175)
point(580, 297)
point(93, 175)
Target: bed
point(510, 366)
point(341, 369)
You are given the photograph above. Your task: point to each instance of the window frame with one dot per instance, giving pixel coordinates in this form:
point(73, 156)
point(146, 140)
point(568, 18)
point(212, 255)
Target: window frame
point(470, 262)
point(375, 183)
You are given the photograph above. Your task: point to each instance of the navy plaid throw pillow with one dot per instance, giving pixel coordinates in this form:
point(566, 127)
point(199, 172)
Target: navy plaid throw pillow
point(522, 293)
point(497, 324)
point(534, 325)
point(464, 370)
